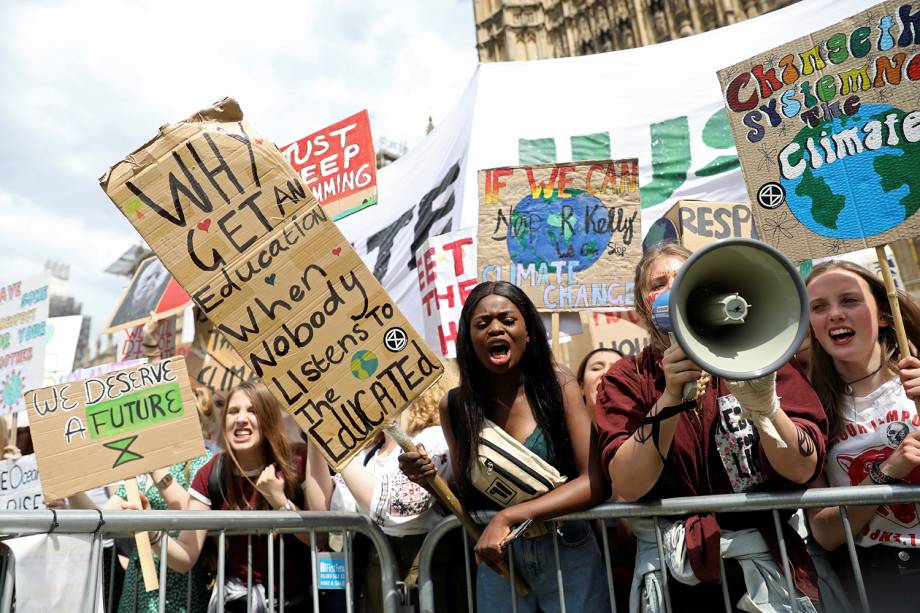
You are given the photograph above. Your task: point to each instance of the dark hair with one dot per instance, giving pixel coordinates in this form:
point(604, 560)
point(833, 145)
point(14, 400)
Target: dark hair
point(825, 379)
point(640, 286)
point(538, 375)
point(580, 376)
point(274, 443)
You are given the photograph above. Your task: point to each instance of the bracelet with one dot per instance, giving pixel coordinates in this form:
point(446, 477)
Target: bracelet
point(878, 477)
point(287, 506)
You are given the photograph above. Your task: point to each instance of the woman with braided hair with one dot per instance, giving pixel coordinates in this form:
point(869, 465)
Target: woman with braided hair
point(765, 434)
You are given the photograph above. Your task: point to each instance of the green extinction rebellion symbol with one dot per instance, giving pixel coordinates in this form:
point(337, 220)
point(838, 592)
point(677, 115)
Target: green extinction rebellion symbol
point(126, 454)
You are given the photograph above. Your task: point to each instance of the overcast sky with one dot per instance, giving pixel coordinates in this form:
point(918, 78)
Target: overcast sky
point(84, 82)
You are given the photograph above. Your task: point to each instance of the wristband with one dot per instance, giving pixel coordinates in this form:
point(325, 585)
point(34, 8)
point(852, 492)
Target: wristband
point(287, 506)
point(878, 476)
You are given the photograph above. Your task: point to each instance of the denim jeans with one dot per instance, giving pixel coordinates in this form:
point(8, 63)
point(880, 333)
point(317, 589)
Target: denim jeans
point(583, 576)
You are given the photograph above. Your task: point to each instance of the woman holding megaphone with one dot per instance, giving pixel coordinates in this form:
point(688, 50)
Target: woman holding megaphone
point(655, 444)
point(870, 398)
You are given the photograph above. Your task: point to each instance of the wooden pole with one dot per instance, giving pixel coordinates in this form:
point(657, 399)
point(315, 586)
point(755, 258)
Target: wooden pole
point(14, 429)
point(555, 330)
point(445, 496)
point(142, 541)
point(891, 290)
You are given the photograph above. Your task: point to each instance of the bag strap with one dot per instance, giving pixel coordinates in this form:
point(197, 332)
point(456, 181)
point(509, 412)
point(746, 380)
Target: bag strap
point(215, 483)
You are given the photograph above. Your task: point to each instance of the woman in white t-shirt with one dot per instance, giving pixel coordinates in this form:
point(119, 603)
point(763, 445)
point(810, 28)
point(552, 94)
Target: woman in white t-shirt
point(869, 398)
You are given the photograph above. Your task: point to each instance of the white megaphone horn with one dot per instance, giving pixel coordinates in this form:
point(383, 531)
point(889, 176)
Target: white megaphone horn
point(738, 308)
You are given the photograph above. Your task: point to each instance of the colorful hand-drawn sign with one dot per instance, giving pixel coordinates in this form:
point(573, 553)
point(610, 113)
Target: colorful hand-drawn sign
point(338, 164)
point(23, 327)
point(238, 229)
point(96, 431)
point(567, 234)
point(828, 131)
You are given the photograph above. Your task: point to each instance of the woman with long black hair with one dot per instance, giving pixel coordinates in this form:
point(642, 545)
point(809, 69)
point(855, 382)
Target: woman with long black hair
point(510, 382)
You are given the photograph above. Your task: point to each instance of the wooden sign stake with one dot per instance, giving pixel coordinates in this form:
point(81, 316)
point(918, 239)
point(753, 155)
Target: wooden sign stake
point(554, 323)
point(142, 541)
point(891, 290)
point(445, 496)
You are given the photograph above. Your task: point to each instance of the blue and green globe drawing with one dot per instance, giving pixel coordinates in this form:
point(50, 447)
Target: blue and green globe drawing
point(867, 192)
point(550, 229)
point(364, 364)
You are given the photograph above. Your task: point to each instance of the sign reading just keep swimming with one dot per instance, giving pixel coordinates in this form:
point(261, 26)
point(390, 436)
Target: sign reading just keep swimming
point(96, 431)
point(238, 229)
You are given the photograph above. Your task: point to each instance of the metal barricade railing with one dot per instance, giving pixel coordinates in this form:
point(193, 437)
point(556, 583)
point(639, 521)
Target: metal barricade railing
point(722, 503)
point(252, 524)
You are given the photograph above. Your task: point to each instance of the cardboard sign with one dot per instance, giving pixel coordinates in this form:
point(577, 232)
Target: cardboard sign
point(20, 485)
point(694, 223)
point(828, 131)
point(237, 227)
point(23, 328)
point(132, 345)
point(567, 234)
point(446, 268)
point(151, 293)
point(338, 165)
point(96, 431)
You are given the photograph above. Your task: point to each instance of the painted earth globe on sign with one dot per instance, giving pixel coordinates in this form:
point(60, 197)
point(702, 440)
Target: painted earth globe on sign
point(364, 364)
point(875, 185)
point(545, 230)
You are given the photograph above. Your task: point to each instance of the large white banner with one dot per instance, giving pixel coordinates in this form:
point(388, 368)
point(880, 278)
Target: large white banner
point(660, 103)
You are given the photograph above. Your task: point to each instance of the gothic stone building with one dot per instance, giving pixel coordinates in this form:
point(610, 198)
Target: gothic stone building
point(541, 29)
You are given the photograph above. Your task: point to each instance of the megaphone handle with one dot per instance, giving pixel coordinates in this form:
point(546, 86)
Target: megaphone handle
point(689, 392)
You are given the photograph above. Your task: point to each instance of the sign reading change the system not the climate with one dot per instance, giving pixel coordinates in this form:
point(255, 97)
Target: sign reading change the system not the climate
point(828, 131)
point(238, 229)
point(96, 431)
point(567, 234)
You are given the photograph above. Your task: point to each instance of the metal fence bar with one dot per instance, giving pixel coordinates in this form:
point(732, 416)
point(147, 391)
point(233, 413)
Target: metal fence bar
point(349, 596)
point(854, 560)
point(271, 570)
point(559, 587)
point(313, 582)
point(787, 572)
point(726, 599)
point(281, 573)
point(164, 538)
point(467, 545)
point(249, 572)
point(511, 581)
point(95, 561)
point(663, 565)
point(609, 566)
point(9, 580)
point(188, 590)
point(113, 558)
point(221, 563)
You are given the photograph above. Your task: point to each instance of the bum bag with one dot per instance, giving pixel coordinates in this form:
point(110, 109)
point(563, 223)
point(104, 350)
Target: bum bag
point(507, 472)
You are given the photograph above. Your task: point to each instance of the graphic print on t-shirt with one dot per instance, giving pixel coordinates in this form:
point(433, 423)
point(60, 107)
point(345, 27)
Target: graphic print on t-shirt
point(736, 440)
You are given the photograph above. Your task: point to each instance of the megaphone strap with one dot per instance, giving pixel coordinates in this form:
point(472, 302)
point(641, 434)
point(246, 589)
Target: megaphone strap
point(655, 422)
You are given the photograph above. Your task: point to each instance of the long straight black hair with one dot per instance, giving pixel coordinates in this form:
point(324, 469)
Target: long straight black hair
point(538, 375)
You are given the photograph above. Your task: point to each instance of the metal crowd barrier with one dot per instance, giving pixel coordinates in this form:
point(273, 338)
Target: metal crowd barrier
point(107, 524)
point(724, 503)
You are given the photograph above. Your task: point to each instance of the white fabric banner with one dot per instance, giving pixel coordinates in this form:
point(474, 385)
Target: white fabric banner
point(53, 573)
point(660, 103)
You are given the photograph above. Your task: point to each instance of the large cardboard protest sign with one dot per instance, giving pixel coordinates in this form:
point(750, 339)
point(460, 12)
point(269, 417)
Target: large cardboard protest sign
point(236, 226)
point(23, 327)
point(446, 267)
point(96, 431)
point(568, 234)
point(338, 164)
point(695, 223)
point(828, 131)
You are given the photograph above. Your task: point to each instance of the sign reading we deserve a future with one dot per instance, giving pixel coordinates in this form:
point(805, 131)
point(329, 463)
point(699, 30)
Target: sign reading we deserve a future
point(567, 234)
point(828, 131)
point(96, 431)
point(235, 225)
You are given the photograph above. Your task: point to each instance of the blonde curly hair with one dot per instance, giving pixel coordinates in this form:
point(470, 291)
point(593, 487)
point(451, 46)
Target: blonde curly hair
point(423, 412)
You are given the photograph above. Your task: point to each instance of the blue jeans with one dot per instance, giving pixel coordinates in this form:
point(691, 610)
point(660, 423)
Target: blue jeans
point(583, 575)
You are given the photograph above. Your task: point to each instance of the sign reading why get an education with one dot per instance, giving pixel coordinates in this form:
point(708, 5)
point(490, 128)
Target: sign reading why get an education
point(828, 131)
point(23, 329)
point(96, 431)
point(567, 234)
point(338, 165)
point(239, 230)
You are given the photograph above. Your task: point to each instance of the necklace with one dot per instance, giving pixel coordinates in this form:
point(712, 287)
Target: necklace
point(849, 384)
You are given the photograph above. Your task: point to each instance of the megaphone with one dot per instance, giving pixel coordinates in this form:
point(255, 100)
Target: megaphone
point(738, 308)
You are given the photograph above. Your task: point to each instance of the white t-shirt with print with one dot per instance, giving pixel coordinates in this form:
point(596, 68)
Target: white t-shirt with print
point(872, 428)
point(399, 506)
